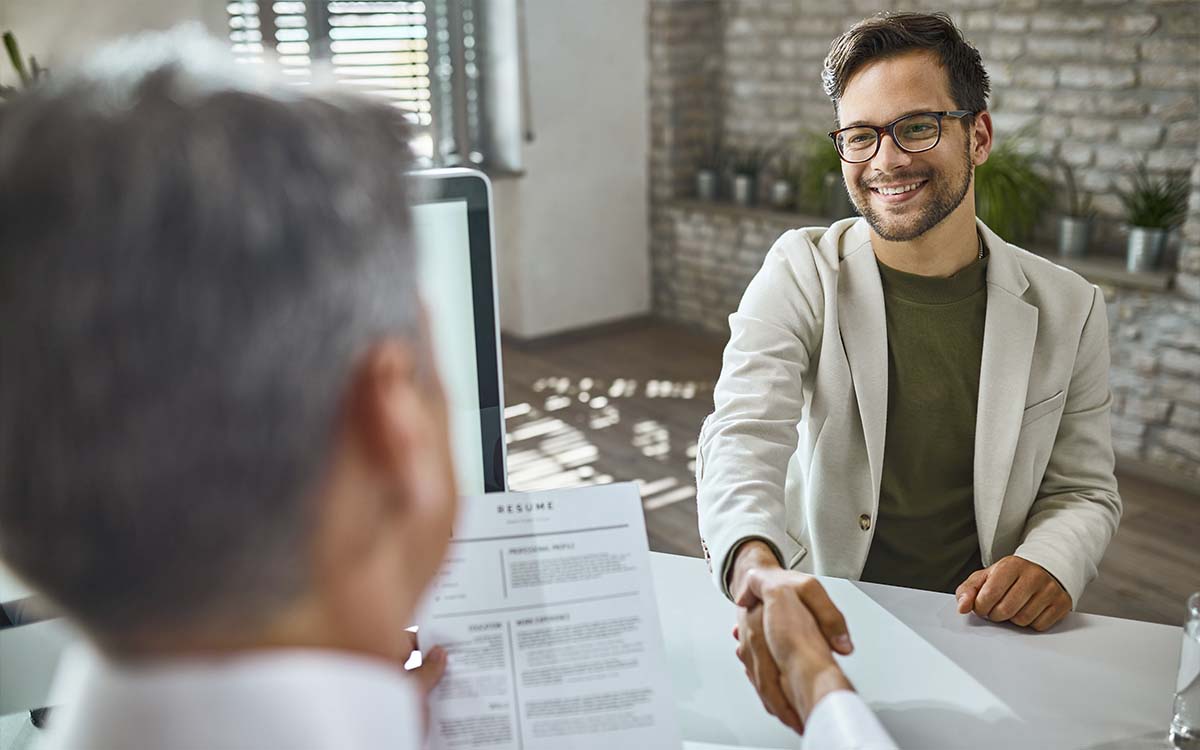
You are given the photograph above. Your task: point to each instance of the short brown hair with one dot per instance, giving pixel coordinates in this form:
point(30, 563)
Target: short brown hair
point(890, 34)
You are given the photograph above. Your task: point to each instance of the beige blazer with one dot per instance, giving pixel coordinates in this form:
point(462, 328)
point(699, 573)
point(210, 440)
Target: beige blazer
point(793, 450)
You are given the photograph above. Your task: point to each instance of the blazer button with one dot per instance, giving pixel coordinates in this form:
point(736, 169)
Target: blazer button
point(864, 522)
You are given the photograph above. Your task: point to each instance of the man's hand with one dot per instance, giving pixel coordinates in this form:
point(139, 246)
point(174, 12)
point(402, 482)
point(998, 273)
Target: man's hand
point(1015, 590)
point(776, 692)
point(433, 666)
point(799, 624)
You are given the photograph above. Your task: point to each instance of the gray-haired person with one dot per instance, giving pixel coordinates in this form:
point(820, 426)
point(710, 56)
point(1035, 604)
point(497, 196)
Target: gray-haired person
point(223, 444)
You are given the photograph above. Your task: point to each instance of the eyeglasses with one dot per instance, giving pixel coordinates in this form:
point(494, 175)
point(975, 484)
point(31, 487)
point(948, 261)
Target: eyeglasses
point(912, 133)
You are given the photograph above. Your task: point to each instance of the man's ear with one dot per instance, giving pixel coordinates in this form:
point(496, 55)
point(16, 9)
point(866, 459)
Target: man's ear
point(386, 410)
point(981, 138)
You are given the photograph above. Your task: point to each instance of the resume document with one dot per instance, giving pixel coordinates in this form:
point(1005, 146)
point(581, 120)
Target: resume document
point(546, 609)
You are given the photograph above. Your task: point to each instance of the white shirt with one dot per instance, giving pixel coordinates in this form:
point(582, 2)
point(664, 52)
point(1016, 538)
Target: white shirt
point(299, 699)
point(295, 699)
point(842, 721)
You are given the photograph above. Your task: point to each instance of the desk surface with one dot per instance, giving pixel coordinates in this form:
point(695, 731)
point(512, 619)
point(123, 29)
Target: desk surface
point(935, 678)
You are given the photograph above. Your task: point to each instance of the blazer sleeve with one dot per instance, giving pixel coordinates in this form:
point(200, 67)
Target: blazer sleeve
point(745, 444)
point(1077, 508)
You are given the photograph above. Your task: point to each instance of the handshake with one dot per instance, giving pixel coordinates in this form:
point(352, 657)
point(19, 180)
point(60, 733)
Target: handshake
point(788, 628)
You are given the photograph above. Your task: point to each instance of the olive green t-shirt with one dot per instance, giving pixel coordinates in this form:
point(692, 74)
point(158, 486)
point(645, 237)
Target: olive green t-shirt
point(925, 535)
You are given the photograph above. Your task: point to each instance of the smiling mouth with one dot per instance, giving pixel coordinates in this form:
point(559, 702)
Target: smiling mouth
point(898, 189)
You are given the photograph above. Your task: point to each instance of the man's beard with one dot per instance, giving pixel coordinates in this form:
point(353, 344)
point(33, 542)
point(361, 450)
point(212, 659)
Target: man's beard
point(942, 201)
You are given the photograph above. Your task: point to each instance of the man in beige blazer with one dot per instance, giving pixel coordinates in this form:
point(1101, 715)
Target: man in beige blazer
point(834, 354)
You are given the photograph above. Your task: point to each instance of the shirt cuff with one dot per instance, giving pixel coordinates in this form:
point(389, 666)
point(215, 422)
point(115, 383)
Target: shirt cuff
point(727, 568)
point(842, 721)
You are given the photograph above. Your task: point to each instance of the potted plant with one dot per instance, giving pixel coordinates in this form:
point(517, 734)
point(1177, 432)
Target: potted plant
point(708, 170)
point(821, 187)
point(1009, 194)
point(28, 76)
point(1075, 225)
point(785, 179)
point(747, 165)
point(1152, 207)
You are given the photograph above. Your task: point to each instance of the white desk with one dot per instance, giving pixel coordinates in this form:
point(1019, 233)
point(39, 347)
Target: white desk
point(936, 679)
point(1092, 682)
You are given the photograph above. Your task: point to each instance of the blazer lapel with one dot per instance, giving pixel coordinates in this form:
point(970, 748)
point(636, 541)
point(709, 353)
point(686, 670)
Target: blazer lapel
point(863, 327)
point(1009, 331)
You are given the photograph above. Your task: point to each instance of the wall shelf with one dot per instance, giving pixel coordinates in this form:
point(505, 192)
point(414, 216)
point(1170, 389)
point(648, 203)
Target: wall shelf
point(1104, 270)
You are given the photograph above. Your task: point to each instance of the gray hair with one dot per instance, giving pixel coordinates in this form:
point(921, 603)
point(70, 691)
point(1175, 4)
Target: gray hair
point(190, 268)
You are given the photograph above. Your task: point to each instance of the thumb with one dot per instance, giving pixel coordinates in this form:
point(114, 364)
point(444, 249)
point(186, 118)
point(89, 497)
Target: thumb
point(433, 666)
point(969, 589)
point(752, 591)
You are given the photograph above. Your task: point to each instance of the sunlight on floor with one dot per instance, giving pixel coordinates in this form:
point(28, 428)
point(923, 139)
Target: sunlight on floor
point(548, 447)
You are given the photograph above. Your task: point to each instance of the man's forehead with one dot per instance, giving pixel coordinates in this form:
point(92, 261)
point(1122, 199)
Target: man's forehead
point(894, 86)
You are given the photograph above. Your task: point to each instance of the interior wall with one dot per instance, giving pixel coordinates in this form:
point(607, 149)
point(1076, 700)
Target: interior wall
point(60, 32)
point(572, 232)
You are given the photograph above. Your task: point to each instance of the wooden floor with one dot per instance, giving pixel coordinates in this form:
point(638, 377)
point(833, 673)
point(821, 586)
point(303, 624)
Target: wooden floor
point(626, 405)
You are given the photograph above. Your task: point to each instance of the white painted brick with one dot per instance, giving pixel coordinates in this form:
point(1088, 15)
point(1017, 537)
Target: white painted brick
point(1134, 24)
point(1036, 76)
point(1181, 441)
point(1096, 76)
point(1067, 22)
point(1077, 154)
point(1171, 76)
point(1170, 159)
point(1140, 135)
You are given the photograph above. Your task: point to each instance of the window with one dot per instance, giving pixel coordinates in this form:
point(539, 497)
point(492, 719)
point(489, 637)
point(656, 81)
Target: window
point(425, 58)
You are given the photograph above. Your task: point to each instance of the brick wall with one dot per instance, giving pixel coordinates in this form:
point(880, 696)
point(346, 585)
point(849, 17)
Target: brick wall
point(1102, 82)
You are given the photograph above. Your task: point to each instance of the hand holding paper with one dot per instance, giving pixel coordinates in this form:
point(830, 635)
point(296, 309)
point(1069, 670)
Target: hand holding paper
point(548, 617)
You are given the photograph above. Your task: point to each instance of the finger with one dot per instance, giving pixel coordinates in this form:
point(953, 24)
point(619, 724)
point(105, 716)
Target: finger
point(829, 617)
point(1025, 588)
point(1000, 579)
point(1035, 606)
point(770, 692)
point(735, 633)
point(431, 670)
point(752, 588)
point(969, 589)
point(1050, 617)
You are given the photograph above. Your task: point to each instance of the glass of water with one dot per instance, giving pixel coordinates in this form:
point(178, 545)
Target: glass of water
point(1185, 724)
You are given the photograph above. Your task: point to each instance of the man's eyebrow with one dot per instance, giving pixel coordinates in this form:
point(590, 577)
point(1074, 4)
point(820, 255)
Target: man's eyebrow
point(919, 110)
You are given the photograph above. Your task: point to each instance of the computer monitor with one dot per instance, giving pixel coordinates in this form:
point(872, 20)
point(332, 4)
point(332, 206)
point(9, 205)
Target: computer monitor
point(453, 227)
point(457, 279)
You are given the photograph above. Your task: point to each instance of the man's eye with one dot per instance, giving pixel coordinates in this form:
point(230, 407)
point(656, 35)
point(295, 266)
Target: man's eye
point(861, 138)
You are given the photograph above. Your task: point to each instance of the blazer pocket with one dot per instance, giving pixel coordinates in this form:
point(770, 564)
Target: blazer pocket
point(1044, 407)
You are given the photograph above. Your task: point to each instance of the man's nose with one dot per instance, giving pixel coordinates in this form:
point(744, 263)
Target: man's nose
point(890, 157)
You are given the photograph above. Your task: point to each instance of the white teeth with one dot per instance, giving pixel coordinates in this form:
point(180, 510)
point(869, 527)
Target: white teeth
point(899, 190)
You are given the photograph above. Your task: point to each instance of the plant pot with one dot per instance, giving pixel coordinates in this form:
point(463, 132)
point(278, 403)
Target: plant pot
point(743, 189)
point(706, 185)
point(781, 194)
point(1145, 248)
point(1074, 234)
point(837, 202)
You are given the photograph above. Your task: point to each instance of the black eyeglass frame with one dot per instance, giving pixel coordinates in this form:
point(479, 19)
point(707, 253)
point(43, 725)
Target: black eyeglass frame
point(890, 129)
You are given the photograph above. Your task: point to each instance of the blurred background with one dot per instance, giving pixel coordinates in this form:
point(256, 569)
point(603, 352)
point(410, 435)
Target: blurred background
point(645, 154)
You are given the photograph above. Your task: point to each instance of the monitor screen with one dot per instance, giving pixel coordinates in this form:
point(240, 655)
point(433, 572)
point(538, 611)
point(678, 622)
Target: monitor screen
point(452, 227)
point(444, 260)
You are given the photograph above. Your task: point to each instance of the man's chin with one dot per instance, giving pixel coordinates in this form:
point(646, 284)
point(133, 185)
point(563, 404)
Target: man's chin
point(892, 230)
